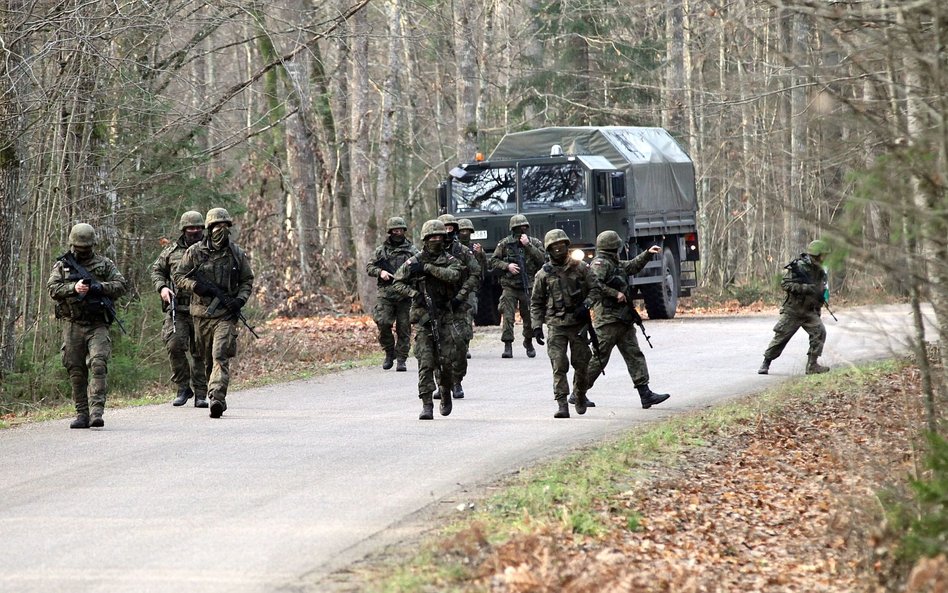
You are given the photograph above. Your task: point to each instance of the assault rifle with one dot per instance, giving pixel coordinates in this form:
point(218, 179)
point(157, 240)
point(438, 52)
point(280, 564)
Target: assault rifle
point(616, 283)
point(593, 340)
point(383, 264)
point(522, 264)
point(433, 321)
point(220, 297)
point(174, 312)
point(85, 277)
point(799, 272)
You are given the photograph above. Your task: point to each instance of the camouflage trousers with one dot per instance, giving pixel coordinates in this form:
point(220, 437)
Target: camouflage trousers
point(87, 348)
point(511, 300)
point(217, 344)
point(559, 338)
point(622, 335)
point(788, 324)
point(441, 364)
point(187, 364)
point(389, 313)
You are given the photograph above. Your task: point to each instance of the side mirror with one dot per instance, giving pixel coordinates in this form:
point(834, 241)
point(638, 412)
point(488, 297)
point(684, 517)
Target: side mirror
point(442, 197)
point(617, 181)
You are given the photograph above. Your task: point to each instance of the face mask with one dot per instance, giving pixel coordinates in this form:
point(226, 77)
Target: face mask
point(558, 253)
point(396, 239)
point(219, 235)
point(434, 247)
point(82, 253)
point(464, 236)
point(520, 230)
point(192, 237)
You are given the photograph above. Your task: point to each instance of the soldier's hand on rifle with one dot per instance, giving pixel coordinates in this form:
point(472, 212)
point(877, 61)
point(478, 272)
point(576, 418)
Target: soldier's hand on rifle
point(416, 267)
point(621, 297)
point(538, 335)
point(166, 294)
point(654, 249)
point(95, 288)
point(82, 287)
point(203, 289)
point(385, 276)
point(581, 311)
point(513, 268)
point(235, 305)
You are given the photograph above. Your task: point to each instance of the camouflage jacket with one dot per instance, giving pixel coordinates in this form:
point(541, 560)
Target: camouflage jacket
point(471, 278)
point(612, 277)
point(389, 257)
point(558, 290)
point(441, 280)
point(161, 274)
point(804, 282)
point(506, 253)
point(481, 258)
point(228, 269)
point(87, 310)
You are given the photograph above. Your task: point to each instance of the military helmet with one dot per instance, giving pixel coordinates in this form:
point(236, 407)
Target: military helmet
point(432, 227)
point(448, 219)
point(817, 248)
point(395, 222)
point(191, 218)
point(555, 236)
point(216, 215)
point(465, 224)
point(608, 241)
point(82, 235)
point(518, 220)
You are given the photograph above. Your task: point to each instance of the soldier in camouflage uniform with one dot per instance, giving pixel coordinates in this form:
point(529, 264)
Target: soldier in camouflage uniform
point(509, 251)
point(461, 303)
point(178, 331)
point(431, 279)
point(560, 299)
point(219, 275)
point(806, 288)
point(84, 300)
point(391, 309)
point(614, 313)
point(465, 230)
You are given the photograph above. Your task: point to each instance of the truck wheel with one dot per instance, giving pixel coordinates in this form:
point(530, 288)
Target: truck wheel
point(661, 299)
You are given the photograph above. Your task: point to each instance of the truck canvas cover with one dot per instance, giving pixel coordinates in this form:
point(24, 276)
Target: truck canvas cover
point(660, 176)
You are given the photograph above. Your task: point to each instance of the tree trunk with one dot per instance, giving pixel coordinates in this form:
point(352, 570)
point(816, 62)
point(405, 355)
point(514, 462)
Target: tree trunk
point(363, 200)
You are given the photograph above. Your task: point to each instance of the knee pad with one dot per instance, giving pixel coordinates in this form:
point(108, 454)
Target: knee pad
point(99, 367)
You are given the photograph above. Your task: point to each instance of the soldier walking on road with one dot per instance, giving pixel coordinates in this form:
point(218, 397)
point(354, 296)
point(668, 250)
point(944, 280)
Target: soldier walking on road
point(465, 230)
point(219, 275)
point(177, 333)
point(461, 304)
point(519, 256)
point(431, 279)
point(84, 285)
point(391, 309)
point(806, 288)
point(615, 314)
point(560, 299)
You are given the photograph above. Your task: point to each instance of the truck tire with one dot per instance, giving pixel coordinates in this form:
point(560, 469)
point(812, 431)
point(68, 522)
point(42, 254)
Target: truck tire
point(661, 299)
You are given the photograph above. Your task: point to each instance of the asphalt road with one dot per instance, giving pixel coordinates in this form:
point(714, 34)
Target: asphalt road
point(302, 478)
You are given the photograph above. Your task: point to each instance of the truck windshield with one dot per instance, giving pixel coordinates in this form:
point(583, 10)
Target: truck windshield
point(489, 190)
point(560, 186)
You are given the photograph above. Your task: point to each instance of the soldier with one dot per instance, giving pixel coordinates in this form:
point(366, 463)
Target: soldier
point(84, 284)
point(614, 314)
point(218, 272)
point(560, 299)
point(461, 303)
point(465, 230)
point(806, 288)
point(178, 330)
point(431, 279)
point(392, 309)
point(519, 256)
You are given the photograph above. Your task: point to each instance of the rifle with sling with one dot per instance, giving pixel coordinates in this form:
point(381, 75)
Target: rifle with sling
point(801, 274)
point(220, 297)
point(623, 287)
point(433, 319)
point(85, 277)
point(522, 264)
point(174, 313)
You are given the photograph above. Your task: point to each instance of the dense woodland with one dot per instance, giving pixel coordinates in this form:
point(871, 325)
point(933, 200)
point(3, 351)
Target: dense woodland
point(313, 121)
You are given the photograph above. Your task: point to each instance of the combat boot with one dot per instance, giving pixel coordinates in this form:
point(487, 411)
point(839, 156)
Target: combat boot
point(765, 367)
point(427, 408)
point(508, 350)
point(436, 394)
point(184, 394)
point(813, 367)
point(563, 411)
point(96, 420)
point(581, 404)
point(528, 346)
point(446, 404)
point(589, 403)
point(458, 391)
point(217, 408)
point(200, 401)
point(389, 359)
point(81, 421)
point(649, 397)
point(400, 366)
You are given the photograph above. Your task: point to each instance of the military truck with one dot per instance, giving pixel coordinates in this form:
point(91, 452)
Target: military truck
point(636, 181)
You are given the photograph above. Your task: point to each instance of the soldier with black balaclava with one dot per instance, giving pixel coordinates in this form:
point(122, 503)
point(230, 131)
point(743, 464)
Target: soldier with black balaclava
point(518, 256)
point(392, 309)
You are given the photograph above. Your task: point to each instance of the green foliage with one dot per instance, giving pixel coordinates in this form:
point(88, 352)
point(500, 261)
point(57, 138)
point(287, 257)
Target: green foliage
point(927, 534)
point(752, 292)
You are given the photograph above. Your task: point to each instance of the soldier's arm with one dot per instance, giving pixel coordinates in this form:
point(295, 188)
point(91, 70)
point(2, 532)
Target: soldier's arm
point(637, 264)
point(371, 268)
point(403, 281)
point(534, 252)
point(598, 289)
point(58, 286)
point(184, 267)
point(497, 261)
point(245, 284)
point(450, 273)
point(114, 285)
point(796, 284)
point(538, 300)
point(161, 273)
point(473, 279)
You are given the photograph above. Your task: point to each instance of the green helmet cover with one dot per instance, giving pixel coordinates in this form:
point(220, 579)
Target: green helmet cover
point(817, 248)
point(518, 220)
point(432, 227)
point(82, 235)
point(191, 218)
point(555, 236)
point(608, 241)
point(395, 222)
point(465, 224)
point(215, 215)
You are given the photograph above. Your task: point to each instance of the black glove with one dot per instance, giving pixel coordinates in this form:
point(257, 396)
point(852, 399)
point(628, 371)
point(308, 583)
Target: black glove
point(203, 289)
point(581, 311)
point(538, 335)
point(416, 267)
point(456, 304)
point(95, 288)
point(235, 305)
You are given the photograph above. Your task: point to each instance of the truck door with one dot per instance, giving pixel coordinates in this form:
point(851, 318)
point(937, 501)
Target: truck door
point(610, 202)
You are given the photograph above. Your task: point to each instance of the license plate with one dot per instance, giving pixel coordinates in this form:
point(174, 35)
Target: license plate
point(482, 234)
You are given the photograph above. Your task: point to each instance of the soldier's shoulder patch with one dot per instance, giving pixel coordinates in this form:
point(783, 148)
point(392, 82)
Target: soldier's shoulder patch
point(596, 263)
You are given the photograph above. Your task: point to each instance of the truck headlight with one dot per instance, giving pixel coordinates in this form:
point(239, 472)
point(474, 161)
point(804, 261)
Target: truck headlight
point(577, 254)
